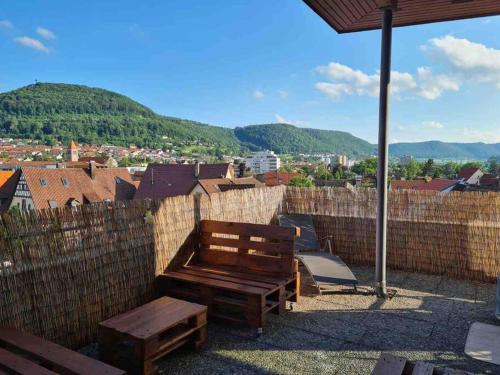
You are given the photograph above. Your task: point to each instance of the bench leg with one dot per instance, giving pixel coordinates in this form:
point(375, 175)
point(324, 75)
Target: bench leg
point(254, 313)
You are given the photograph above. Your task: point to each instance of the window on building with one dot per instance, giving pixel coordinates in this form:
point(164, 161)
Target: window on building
point(23, 204)
point(52, 204)
point(43, 182)
point(118, 180)
point(29, 206)
point(65, 181)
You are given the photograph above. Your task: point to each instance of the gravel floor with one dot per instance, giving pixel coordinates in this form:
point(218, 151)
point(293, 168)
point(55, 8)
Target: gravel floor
point(338, 333)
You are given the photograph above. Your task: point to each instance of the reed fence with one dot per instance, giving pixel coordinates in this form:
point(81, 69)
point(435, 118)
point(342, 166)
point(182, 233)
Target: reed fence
point(62, 271)
point(454, 234)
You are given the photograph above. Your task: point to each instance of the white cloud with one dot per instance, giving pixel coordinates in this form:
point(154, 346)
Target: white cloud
point(282, 120)
point(472, 61)
point(346, 80)
point(32, 43)
point(432, 125)
point(45, 33)
point(283, 94)
point(432, 85)
point(6, 24)
point(257, 94)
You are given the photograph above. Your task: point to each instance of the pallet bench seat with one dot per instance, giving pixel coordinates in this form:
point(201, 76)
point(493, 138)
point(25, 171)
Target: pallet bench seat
point(23, 353)
point(239, 278)
point(136, 339)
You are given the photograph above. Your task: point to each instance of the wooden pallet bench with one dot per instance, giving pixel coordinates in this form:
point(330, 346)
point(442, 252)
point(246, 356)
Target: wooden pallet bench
point(240, 272)
point(136, 339)
point(23, 353)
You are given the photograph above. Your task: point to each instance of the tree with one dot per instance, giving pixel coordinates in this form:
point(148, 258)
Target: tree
point(472, 164)
point(450, 169)
point(428, 168)
point(412, 170)
point(367, 167)
point(300, 181)
point(493, 165)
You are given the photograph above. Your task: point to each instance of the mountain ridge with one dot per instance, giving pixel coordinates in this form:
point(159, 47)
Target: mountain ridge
point(58, 112)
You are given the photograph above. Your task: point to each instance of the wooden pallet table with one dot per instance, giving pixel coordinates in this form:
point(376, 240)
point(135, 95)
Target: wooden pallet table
point(136, 339)
point(23, 353)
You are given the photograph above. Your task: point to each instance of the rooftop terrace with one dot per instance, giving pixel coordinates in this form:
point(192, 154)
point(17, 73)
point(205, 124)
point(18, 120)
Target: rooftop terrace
point(345, 334)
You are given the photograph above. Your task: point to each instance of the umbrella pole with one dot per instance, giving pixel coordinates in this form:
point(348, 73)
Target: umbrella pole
point(383, 151)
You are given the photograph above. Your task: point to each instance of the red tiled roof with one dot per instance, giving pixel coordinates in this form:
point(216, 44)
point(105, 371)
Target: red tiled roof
point(213, 185)
point(489, 180)
point(169, 180)
point(467, 173)
point(276, 178)
point(8, 187)
point(109, 184)
point(437, 184)
point(4, 177)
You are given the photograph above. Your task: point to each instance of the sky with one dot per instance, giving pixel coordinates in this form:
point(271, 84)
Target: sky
point(240, 62)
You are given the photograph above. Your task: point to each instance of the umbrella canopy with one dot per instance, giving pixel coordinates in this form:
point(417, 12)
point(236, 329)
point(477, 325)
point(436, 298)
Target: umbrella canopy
point(347, 16)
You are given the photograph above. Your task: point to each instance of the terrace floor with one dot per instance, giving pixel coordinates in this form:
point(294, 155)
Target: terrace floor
point(345, 334)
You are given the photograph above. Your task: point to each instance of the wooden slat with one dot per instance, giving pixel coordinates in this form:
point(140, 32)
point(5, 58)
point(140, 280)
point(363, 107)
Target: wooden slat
point(350, 16)
point(245, 289)
point(248, 261)
point(146, 321)
point(234, 279)
point(246, 229)
point(20, 365)
point(60, 358)
point(247, 244)
point(244, 275)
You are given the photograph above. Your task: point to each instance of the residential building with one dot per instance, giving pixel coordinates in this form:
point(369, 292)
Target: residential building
point(169, 180)
point(276, 178)
point(217, 185)
point(342, 160)
point(438, 184)
point(50, 188)
point(263, 161)
point(106, 161)
point(471, 176)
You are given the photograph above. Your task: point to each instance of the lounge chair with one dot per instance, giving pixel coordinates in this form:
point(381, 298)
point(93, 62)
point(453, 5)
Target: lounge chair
point(325, 268)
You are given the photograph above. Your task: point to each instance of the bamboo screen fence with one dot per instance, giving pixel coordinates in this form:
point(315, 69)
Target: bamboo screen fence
point(454, 234)
point(62, 271)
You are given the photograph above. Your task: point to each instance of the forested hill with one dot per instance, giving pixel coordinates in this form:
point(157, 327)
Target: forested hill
point(284, 138)
point(445, 150)
point(51, 111)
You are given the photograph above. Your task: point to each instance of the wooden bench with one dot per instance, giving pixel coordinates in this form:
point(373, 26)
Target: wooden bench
point(23, 353)
point(136, 339)
point(240, 272)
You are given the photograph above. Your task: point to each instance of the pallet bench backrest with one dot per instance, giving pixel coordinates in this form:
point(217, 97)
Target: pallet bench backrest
point(262, 248)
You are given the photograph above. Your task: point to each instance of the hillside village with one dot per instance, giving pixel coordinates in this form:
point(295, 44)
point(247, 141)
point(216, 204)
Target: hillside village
point(34, 176)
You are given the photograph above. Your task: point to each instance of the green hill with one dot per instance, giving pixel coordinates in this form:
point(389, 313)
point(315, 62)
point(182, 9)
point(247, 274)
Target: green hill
point(444, 150)
point(50, 111)
point(284, 138)
point(59, 112)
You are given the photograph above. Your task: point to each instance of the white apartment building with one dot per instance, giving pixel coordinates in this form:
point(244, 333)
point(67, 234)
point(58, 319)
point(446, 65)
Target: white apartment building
point(263, 161)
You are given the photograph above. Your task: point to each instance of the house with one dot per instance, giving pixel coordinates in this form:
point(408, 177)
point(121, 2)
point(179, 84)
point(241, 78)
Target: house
point(106, 161)
point(276, 178)
point(471, 176)
point(8, 184)
point(438, 184)
point(217, 185)
point(50, 188)
point(169, 180)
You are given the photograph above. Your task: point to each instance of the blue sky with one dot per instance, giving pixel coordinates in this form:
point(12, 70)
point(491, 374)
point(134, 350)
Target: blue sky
point(240, 62)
